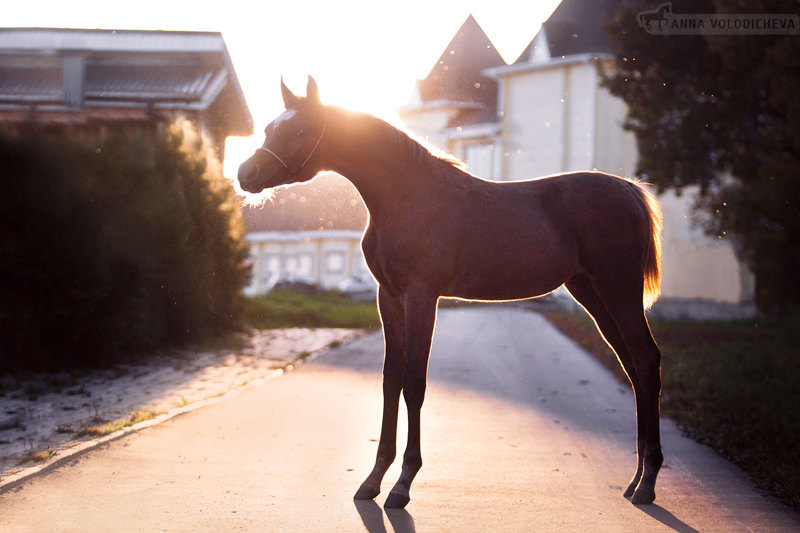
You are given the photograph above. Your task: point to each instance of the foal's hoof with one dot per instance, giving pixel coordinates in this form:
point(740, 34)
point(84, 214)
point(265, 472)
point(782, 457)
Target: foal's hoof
point(397, 500)
point(365, 492)
point(643, 496)
point(630, 490)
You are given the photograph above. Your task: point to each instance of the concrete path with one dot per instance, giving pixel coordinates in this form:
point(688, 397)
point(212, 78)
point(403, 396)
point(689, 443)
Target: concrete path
point(522, 431)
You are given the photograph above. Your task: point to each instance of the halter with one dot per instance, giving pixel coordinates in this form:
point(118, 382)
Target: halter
point(311, 153)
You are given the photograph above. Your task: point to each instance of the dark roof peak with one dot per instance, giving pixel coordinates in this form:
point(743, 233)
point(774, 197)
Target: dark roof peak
point(576, 27)
point(457, 74)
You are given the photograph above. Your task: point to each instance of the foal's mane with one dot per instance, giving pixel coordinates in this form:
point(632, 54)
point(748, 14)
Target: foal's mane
point(421, 154)
point(385, 136)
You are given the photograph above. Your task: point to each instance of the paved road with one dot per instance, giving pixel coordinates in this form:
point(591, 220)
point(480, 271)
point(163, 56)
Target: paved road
point(522, 431)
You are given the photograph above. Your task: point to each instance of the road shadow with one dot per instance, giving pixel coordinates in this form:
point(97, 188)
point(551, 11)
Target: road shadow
point(372, 517)
point(667, 518)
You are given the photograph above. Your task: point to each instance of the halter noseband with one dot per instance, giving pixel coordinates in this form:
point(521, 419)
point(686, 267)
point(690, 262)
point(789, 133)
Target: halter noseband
point(300, 167)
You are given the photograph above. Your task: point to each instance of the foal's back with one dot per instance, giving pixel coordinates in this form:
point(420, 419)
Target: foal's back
point(520, 239)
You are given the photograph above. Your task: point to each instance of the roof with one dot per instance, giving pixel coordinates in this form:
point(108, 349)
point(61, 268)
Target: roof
point(457, 75)
point(576, 27)
point(47, 40)
point(58, 69)
point(328, 203)
point(302, 236)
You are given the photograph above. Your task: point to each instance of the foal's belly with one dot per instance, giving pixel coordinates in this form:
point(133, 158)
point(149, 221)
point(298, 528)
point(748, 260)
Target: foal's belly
point(514, 284)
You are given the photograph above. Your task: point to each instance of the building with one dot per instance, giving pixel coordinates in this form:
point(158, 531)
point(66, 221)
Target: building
point(308, 233)
point(552, 115)
point(455, 106)
point(92, 80)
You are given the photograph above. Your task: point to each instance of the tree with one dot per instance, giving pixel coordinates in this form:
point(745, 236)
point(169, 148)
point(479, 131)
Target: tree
point(720, 112)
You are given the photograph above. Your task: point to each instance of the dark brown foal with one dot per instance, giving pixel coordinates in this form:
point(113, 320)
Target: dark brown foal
point(435, 230)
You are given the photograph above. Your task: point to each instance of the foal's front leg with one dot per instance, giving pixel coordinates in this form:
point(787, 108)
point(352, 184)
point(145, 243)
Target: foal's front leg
point(420, 314)
point(393, 320)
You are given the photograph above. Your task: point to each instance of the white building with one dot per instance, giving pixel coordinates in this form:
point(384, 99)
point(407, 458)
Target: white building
point(323, 258)
point(309, 233)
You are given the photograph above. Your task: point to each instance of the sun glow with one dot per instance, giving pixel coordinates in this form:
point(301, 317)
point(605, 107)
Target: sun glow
point(365, 55)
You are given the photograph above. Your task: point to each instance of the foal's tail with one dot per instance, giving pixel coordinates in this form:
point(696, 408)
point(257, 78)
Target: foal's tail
point(652, 264)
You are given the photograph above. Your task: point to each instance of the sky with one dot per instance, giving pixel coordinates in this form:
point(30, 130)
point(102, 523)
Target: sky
point(364, 55)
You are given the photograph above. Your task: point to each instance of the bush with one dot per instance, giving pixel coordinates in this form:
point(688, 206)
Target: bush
point(112, 246)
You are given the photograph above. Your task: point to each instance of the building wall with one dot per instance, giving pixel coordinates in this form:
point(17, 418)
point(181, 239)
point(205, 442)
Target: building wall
point(480, 154)
point(534, 129)
point(695, 265)
point(428, 124)
point(614, 148)
point(579, 104)
point(324, 258)
point(559, 119)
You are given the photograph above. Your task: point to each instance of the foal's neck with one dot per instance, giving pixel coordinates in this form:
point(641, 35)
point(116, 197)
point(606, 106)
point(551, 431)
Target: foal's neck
point(365, 150)
point(359, 148)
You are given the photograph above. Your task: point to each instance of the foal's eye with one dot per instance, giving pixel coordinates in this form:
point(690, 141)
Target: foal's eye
point(302, 133)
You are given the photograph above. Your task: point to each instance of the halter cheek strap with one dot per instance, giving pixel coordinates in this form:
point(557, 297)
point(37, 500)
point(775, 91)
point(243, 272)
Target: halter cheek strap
point(276, 156)
point(308, 157)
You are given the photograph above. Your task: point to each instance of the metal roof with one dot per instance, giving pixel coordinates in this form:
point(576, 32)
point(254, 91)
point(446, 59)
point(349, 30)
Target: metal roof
point(33, 84)
point(303, 236)
point(178, 83)
point(70, 69)
point(47, 40)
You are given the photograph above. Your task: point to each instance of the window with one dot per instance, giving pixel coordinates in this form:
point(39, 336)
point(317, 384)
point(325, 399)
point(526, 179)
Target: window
point(480, 159)
point(335, 262)
point(270, 266)
point(299, 264)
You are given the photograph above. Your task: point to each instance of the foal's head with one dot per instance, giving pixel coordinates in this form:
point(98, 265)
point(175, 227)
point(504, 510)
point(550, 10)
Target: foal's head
point(291, 144)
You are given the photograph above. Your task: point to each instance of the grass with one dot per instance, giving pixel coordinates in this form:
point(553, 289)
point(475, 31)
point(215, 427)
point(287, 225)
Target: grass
point(36, 457)
point(731, 385)
point(283, 308)
point(111, 427)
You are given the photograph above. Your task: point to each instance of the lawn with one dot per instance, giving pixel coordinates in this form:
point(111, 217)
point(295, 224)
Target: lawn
point(731, 385)
point(285, 308)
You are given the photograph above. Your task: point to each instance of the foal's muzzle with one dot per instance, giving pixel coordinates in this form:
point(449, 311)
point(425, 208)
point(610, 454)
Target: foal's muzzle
point(248, 176)
point(258, 173)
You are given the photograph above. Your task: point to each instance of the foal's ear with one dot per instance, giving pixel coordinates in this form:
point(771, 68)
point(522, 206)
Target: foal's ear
point(312, 91)
point(289, 99)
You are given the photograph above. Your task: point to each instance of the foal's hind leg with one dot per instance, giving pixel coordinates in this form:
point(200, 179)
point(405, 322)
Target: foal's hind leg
point(393, 319)
point(581, 289)
point(624, 304)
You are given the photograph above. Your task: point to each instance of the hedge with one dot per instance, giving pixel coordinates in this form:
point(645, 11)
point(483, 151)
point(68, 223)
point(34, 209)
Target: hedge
point(114, 246)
